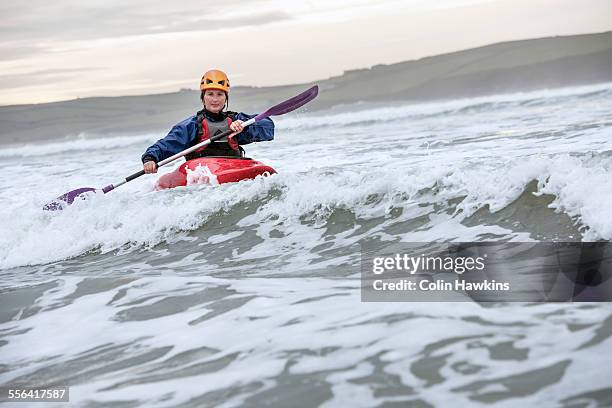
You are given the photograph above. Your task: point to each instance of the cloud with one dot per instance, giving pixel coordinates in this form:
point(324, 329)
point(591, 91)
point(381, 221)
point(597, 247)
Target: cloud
point(37, 26)
point(39, 77)
point(84, 22)
point(18, 49)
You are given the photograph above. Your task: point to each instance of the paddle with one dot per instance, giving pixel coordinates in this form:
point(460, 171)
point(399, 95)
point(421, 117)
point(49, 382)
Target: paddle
point(280, 109)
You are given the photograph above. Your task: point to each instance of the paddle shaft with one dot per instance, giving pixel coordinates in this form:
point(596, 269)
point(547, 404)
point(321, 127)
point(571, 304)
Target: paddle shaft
point(170, 159)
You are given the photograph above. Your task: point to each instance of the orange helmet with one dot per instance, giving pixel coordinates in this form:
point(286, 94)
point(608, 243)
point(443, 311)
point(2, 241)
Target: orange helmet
point(215, 79)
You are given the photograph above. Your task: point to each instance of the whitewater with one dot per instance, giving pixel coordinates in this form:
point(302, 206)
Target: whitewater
point(248, 294)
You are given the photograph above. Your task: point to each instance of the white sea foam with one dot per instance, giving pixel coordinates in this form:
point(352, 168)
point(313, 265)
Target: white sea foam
point(201, 175)
point(74, 145)
point(298, 327)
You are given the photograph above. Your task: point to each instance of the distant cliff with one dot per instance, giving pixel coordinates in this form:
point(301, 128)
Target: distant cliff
point(498, 68)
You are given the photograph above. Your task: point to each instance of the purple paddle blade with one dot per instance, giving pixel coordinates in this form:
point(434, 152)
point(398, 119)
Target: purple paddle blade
point(67, 199)
point(290, 104)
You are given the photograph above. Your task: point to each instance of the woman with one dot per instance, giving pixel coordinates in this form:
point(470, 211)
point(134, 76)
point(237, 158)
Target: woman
point(210, 121)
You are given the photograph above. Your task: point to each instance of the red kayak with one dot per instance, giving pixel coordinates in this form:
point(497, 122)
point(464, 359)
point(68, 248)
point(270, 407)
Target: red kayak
point(213, 170)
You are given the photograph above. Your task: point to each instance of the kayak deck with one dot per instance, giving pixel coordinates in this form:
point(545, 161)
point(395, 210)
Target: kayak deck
point(213, 170)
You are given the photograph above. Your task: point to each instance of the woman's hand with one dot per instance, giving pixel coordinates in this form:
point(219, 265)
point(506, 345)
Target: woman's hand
point(150, 167)
point(237, 127)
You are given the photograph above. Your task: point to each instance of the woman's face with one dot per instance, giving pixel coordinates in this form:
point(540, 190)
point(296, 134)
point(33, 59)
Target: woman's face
point(214, 100)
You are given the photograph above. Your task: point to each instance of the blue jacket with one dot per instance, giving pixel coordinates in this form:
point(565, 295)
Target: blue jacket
point(185, 134)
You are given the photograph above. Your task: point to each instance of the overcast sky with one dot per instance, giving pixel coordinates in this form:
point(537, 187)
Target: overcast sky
point(57, 50)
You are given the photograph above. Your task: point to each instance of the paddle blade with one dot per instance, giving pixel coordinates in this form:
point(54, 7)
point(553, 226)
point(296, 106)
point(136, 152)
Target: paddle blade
point(66, 199)
point(290, 104)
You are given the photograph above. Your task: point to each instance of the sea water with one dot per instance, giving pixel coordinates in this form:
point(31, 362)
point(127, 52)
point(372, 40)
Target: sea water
point(247, 294)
